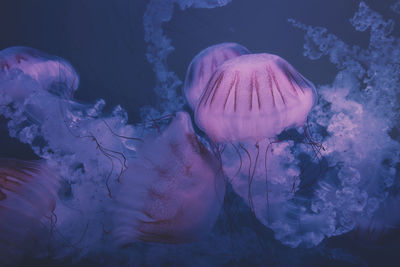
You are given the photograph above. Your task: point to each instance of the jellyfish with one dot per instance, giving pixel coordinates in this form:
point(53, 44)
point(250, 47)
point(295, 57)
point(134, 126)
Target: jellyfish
point(253, 97)
point(28, 193)
point(52, 74)
point(247, 103)
point(88, 147)
point(204, 64)
point(172, 192)
point(37, 91)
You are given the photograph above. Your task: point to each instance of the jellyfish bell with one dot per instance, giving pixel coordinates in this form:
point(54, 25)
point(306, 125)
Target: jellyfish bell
point(28, 191)
point(204, 64)
point(52, 73)
point(253, 97)
point(172, 192)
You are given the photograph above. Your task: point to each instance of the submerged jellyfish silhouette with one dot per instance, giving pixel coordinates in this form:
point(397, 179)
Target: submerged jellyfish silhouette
point(385, 219)
point(203, 66)
point(172, 192)
point(28, 192)
point(53, 74)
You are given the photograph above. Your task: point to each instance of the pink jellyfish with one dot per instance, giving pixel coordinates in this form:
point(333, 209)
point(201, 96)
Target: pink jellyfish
point(28, 192)
point(203, 66)
point(248, 101)
point(172, 192)
point(52, 73)
point(253, 97)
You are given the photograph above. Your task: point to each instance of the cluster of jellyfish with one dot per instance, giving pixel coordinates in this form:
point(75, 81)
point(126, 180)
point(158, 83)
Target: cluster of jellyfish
point(100, 180)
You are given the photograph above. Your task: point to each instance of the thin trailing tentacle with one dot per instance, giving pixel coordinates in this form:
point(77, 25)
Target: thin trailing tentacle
point(266, 181)
point(220, 169)
point(240, 157)
point(249, 178)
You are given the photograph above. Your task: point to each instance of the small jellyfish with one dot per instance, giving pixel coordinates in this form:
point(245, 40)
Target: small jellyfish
point(172, 192)
point(52, 73)
point(204, 64)
point(28, 191)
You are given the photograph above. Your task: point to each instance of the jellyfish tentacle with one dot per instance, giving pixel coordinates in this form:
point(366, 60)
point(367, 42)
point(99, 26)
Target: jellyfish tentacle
point(248, 177)
point(240, 158)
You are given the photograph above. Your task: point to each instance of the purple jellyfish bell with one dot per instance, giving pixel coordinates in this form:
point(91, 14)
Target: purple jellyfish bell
point(253, 97)
point(28, 191)
point(172, 192)
point(52, 73)
point(203, 66)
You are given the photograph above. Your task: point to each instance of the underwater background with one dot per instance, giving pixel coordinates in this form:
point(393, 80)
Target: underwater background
point(131, 52)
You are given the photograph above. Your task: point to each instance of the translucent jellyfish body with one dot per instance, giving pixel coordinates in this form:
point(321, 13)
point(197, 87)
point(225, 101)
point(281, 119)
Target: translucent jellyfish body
point(86, 145)
point(204, 64)
point(248, 101)
point(253, 97)
point(56, 127)
point(52, 73)
point(172, 192)
point(28, 191)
